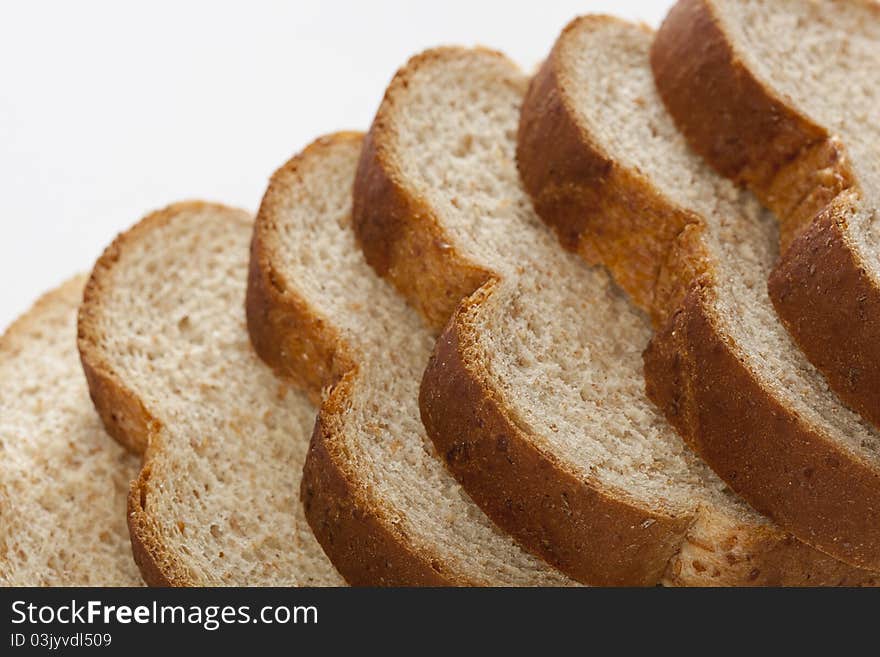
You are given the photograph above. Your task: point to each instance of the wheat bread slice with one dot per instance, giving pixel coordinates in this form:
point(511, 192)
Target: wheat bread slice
point(782, 97)
point(63, 481)
point(164, 344)
point(376, 495)
point(533, 396)
point(608, 170)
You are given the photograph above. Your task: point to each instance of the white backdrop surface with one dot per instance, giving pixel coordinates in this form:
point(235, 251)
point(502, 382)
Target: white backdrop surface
point(111, 109)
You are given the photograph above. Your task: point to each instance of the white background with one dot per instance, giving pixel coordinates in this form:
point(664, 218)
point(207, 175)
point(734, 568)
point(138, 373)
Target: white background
point(111, 109)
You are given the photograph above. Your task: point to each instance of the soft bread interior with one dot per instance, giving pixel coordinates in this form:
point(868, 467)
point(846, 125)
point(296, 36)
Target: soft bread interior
point(63, 481)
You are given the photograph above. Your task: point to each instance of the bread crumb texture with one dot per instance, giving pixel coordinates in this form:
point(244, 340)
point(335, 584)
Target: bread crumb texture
point(63, 480)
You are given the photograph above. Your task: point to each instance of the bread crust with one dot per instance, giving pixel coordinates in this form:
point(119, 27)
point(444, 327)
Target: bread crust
point(285, 331)
point(363, 544)
point(122, 413)
point(843, 307)
point(597, 220)
point(124, 416)
point(158, 566)
point(751, 134)
point(693, 370)
point(696, 375)
point(589, 532)
point(366, 547)
point(397, 234)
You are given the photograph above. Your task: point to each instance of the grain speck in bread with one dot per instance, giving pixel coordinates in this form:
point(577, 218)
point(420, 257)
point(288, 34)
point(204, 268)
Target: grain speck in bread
point(375, 493)
point(63, 481)
point(784, 97)
point(534, 396)
point(164, 344)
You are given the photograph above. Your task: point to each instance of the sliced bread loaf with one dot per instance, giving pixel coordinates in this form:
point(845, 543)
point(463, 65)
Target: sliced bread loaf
point(63, 481)
point(783, 97)
point(375, 493)
point(609, 171)
point(165, 348)
point(534, 395)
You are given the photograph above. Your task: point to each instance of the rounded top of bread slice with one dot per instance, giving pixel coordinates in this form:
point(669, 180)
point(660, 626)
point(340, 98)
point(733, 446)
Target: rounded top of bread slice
point(822, 59)
point(162, 336)
point(63, 481)
point(370, 425)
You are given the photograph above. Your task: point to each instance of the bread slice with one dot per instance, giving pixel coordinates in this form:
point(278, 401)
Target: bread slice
point(534, 395)
point(609, 171)
point(165, 348)
point(63, 481)
point(375, 493)
point(783, 97)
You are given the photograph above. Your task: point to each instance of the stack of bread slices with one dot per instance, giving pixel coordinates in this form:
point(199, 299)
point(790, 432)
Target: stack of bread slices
point(615, 324)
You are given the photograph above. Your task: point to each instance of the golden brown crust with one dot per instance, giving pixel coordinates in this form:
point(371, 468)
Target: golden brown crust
point(284, 329)
point(465, 419)
point(580, 191)
point(751, 134)
point(123, 414)
point(367, 548)
point(399, 237)
point(799, 478)
point(596, 219)
point(587, 531)
point(843, 307)
point(158, 566)
point(727, 115)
